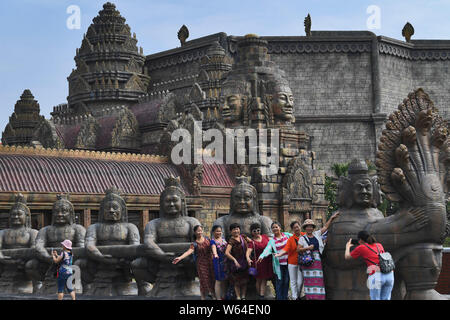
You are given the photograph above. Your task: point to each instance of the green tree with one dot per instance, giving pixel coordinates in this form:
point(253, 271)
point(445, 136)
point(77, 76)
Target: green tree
point(339, 169)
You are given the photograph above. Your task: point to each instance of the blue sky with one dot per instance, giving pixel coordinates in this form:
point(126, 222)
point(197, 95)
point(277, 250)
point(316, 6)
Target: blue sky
point(37, 48)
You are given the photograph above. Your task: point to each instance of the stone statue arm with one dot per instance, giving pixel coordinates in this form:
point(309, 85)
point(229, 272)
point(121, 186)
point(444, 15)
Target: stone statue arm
point(133, 235)
point(3, 258)
point(33, 237)
point(406, 227)
point(91, 245)
point(266, 223)
point(80, 235)
point(150, 242)
point(41, 241)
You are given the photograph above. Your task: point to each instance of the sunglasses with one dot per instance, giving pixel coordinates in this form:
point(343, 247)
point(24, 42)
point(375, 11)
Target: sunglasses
point(256, 230)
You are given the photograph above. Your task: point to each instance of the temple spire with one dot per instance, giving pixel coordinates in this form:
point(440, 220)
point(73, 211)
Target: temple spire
point(108, 47)
point(23, 122)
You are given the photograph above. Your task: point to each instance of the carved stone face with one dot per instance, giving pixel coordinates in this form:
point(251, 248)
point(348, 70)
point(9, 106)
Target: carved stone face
point(172, 204)
point(242, 202)
point(283, 105)
point(112, 211)
point(232, 108)
point(363, 192)
point(62, 213)
point(17, 217)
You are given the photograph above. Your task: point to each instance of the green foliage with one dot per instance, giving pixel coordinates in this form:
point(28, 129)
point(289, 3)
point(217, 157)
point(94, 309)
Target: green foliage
point(330, 195)
point(340, 169)
point(447, 242)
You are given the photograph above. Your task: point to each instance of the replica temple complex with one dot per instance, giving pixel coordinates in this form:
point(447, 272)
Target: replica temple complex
point(331, 96)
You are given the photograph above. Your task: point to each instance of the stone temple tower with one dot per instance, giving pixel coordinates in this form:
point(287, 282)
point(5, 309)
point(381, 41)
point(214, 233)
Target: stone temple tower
point(23, 122)
point(110, 67)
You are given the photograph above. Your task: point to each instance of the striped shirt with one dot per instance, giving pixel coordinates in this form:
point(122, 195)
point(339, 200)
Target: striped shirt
point(279, 244)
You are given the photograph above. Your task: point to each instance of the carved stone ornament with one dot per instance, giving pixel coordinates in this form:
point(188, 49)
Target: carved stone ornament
point(307, 24)
point(79, 85)
point(298, 180)
point(408, 31)
point(88, 134)
point(47, 136)
point(183, 34)
point(135, 84)
point(126, 131)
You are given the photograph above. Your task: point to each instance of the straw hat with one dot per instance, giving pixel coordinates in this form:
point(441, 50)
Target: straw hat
point(67, 244)
point(308, 222)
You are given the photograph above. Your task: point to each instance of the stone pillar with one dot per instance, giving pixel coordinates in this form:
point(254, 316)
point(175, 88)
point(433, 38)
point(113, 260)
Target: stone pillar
point(145, 218)
point(41, 220)
point(86, 218)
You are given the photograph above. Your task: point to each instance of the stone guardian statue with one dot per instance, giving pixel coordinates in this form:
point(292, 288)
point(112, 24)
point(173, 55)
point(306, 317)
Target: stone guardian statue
point(62, 228)
point(110, 273)
point(169, 235)
point(14, 277)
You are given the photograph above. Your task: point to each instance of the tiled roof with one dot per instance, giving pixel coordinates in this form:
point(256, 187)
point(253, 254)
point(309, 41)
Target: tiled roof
point(219, 175)
point(43, 170)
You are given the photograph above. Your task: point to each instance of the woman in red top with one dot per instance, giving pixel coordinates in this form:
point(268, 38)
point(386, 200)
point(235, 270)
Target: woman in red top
point(380, 284)
point(264, 268)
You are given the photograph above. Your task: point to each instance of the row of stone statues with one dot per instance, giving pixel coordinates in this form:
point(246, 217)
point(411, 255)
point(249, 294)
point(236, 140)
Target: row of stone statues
point(109, 253)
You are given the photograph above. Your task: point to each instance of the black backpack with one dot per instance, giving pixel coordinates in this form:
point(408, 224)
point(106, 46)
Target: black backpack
point(386, 261)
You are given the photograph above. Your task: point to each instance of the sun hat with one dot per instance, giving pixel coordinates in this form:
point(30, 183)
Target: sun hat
point(67, 244)
point(308, 222)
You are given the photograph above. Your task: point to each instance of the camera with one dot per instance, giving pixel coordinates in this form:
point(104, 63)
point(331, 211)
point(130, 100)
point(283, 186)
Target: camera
point(355, 242)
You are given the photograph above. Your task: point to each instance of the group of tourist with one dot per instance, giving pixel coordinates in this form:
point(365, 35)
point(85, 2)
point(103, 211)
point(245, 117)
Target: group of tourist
point(221, 263)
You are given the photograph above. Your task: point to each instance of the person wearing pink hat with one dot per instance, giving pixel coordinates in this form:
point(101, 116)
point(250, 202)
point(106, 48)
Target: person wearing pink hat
point(65, 271)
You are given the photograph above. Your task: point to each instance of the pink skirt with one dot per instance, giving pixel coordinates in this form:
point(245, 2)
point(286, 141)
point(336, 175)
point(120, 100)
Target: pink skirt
point(313, 280)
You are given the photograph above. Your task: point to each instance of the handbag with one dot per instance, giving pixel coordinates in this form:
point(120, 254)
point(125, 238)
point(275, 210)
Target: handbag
point(306, 259)
point(251, 270)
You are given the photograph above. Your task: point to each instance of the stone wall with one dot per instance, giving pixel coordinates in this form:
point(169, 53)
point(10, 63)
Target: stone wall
point(434, 78)
point(396, 81)
point(328, 83)
point(338, 142)
point(400, 75)
point(345, 83)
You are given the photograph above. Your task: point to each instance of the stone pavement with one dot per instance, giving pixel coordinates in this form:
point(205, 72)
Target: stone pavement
point(82, 297)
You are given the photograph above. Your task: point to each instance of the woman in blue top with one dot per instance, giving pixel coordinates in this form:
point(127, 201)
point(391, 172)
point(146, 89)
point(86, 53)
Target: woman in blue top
point(218, 246)
point(64, 278)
